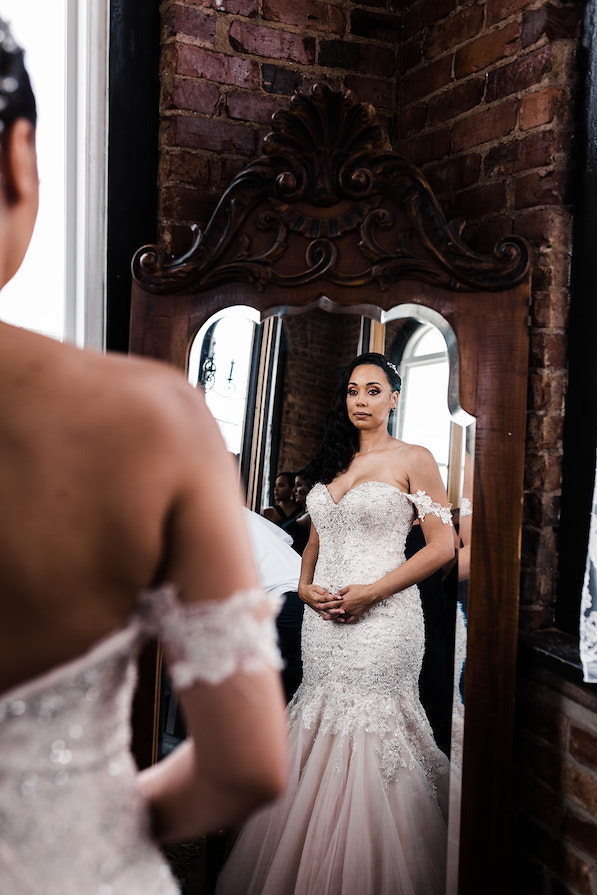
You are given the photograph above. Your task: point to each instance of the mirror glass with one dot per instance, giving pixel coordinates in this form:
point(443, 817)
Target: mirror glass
point(269, 385)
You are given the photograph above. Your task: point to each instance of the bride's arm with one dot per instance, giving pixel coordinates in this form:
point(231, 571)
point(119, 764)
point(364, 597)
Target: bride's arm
point(314, 596)
point(424, 476)
point(235, 758)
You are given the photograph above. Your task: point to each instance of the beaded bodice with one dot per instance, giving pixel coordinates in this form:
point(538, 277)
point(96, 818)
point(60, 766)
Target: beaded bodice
point(365, 675)
point(72, 820)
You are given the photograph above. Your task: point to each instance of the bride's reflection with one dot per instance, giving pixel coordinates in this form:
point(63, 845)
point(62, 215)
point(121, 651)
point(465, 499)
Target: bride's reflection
point(419, 351)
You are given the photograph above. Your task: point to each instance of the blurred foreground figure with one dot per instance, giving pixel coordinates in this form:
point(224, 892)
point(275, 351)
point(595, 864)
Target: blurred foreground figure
point(115, 528)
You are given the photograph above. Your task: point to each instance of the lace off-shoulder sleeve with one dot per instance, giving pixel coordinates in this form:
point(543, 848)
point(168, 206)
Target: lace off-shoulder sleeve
point(209, 642)
point(424, 505)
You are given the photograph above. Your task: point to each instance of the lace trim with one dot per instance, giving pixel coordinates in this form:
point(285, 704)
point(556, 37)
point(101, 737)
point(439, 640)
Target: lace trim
point(211, 641)
point(424, 504)
point(588, 609)
point(466, 507)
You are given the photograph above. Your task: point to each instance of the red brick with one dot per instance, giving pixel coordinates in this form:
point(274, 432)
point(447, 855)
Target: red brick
point(458, 28)
point(535, 151)
point(456, 100)
point(250, 107)
point(521, 74)
point(542, 107)
point(498, 10)
point(412, 120)
point(195, 96)
point(555, 22)
point(583, 746)
point(540, 189)
point(194, 23)
point(548, 349)
point(552, 271)
point(486, 50)
point(454, 174)
point(410, 54)
point(358, 56)
point(276, 79)
point(480, 201)
point(184, 166)
point(491, 124)
point(426, 13)
point(576, 872)
point(377, 91)
point(580, 786)
point(233, 7)
point(543, 472)
point(547, 390)
point(550, 310)
point(219, 67)
point(428, 147)
point(216, 135)
point(376, 26)
point(426, 80)
point(181, 204)
point(542, 509)
point(582, 831)
point(546, 226)
point(271, 43)
point(306, 14)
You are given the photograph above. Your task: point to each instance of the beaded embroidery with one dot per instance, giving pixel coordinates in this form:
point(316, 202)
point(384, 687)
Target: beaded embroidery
point(364, 676)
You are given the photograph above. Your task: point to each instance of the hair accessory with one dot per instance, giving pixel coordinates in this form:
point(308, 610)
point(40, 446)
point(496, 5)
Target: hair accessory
point(16, 98)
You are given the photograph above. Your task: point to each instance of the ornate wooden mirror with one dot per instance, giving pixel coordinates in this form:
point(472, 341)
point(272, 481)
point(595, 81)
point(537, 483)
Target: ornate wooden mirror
point(328, 221)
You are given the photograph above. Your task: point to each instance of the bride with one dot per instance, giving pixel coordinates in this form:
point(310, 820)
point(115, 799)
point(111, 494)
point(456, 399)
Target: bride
point(365, 809)
point(119, 509)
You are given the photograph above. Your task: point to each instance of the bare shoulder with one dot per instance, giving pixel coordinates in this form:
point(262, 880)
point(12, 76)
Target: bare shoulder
point(419, 465)
point(136, 393)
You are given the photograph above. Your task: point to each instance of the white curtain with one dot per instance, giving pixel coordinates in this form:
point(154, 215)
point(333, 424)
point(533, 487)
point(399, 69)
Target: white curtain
point(588, 610)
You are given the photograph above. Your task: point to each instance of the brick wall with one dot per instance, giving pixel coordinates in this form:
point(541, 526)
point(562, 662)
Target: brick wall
point(319, 347)
point(555, 837)
point(486, 102)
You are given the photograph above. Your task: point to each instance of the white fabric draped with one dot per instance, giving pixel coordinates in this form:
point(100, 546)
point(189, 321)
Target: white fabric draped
point(588, 609)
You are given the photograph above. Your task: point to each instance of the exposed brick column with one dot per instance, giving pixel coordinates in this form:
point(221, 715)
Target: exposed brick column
point(486, 102)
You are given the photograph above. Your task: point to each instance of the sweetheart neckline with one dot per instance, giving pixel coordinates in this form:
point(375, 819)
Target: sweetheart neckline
point(360, 485)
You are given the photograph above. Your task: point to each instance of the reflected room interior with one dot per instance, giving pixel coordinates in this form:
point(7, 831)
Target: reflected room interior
point(288, 366)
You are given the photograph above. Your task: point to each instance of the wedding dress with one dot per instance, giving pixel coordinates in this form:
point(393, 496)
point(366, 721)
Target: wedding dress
point(365, 809)
point(72, 819)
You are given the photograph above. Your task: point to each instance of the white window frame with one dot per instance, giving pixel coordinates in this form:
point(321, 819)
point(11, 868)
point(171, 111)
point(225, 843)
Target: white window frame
point(88, 31)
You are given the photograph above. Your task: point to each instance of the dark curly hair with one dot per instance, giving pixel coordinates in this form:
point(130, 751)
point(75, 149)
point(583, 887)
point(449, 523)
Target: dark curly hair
point(16, 95)
point(340, 437)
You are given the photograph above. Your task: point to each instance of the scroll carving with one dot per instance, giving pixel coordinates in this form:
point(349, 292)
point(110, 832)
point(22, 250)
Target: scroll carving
point(329, 201)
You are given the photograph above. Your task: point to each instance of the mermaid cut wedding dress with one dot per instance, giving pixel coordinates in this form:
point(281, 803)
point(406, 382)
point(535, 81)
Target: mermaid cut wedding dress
point(365, 809)
point(72, 819)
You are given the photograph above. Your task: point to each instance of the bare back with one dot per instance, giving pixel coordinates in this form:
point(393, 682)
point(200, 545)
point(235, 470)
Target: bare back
point(102, 462)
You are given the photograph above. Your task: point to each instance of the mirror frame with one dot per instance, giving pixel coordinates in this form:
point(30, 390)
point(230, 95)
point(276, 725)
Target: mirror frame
point(329, 216)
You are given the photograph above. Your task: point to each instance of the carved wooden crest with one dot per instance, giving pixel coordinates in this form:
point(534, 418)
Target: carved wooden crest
point(329, 201)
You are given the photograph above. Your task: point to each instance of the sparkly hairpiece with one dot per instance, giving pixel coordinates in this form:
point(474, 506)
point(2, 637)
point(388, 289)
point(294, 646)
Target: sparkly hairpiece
point(9, 84)
point(392, 367)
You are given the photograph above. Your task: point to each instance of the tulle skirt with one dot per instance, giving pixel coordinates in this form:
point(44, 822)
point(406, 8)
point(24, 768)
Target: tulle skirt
point(342, 827)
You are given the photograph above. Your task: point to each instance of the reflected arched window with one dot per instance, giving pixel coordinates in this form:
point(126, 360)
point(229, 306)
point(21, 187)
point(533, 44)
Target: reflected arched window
point(422, 415)
point(220, 362)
